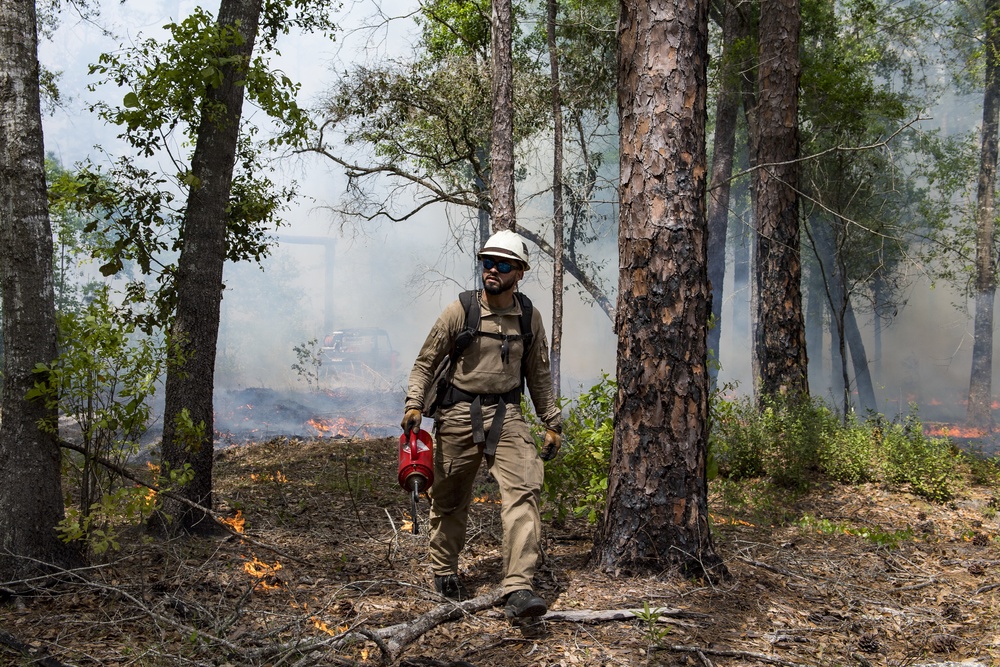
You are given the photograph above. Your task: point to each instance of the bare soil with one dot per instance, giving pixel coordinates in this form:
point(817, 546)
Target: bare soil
point(850, 576)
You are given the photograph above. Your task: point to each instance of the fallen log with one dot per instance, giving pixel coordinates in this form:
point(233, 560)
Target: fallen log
point(605, 615)
point(37, 656)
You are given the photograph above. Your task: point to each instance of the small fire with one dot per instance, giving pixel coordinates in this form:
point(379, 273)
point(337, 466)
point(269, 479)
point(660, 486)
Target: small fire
point(263, 571)
point(723, 521)
point(485, 499)
point(333, 427)
point(237, 522)
point(321, 625)
point(950, 430)
point(276, 476)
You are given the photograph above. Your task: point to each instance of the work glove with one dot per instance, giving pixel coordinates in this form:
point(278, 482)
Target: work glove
point(550, 445)
point(411, 421)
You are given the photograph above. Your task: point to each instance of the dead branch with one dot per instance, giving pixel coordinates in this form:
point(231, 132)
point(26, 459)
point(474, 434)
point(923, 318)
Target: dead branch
point(726, 653)
point(986, 588)
point(36, 656)
point(604, 615)
point(398, 637)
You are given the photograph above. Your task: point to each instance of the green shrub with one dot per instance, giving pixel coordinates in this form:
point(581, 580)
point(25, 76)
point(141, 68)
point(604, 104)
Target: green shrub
point(852, 453)
point(923, 463)
point(103, 378)
point(577, 480)
point(736, 439)
point(782, 440)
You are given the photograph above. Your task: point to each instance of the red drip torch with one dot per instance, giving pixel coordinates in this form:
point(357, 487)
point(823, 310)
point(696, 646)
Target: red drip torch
point(416, 467)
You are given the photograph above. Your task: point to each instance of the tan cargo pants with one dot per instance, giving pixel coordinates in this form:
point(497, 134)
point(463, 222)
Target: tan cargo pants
point(517, 469)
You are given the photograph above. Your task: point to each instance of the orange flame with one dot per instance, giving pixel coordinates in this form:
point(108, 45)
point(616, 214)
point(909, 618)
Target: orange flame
point(321, 625)
point(276, 476)
point(261, 570)
point(237, 522)
point(333, 427)
point(950, 430)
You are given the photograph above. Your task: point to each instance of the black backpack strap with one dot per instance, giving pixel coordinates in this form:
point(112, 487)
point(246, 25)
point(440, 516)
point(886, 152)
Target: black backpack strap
point(473, 313)
point(527, 336)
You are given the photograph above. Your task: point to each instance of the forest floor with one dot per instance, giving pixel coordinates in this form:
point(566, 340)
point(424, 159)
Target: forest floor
point(851, 576)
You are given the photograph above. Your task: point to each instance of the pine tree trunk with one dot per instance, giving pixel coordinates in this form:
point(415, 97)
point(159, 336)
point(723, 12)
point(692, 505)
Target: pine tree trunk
point(657, 513)
point(981, 378)
point(502, 133)
point(194, 335)
point(780, 328)
point(31, 502)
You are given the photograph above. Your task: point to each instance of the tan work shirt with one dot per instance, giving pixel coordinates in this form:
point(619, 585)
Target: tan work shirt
point(480, 369)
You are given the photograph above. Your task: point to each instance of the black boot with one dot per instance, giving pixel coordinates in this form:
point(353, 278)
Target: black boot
point(450, 586)
point(522, 603)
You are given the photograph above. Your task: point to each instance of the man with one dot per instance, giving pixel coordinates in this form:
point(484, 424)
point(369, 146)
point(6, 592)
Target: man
point(485, 388)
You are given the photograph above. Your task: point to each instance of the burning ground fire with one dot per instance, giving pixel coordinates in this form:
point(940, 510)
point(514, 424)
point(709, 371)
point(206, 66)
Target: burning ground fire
point(953, 431)
point(260, 413)
point(266, 573)
point(337, 428)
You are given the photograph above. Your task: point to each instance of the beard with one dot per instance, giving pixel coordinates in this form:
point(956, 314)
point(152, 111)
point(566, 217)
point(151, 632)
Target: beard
point(495, 289)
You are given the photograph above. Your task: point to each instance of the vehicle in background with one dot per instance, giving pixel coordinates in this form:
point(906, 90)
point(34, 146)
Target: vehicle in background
point(361, 355)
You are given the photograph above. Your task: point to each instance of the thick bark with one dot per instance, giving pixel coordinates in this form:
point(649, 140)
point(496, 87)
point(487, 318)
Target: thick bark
point(558, 219)
point(981, 378)
point(657, 513)
point(502, 132)
point(31, 501)
point(780, 346)
point(726, 113)
point(194, 335)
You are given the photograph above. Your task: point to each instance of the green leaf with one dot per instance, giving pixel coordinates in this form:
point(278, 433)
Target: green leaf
point(131, 101)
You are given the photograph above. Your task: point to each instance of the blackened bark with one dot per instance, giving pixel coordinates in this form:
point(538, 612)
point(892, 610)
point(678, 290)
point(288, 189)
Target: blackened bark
point(981, 378)
point(31, 501)
point(657, 513)
point(502, 133)
point(727, 109)
point(195, 331)
point(780, 345)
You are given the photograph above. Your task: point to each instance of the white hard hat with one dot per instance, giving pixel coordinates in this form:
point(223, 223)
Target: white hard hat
point(507, 244)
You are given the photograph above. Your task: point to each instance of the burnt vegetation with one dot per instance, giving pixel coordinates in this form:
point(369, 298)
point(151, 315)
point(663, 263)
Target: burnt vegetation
point(317, 566)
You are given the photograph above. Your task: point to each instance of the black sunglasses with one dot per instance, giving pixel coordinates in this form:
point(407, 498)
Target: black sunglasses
point(502, 265)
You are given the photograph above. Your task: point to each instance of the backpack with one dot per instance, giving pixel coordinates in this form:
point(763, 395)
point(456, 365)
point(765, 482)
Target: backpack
point(441, 381)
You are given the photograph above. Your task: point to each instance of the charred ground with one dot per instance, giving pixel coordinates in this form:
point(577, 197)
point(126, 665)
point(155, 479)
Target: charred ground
point(851, 576)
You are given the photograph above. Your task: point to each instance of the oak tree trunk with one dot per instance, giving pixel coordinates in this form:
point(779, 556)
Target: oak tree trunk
point(657, 513)
point(780, 346)
point(194, 334)
point(31, 501)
